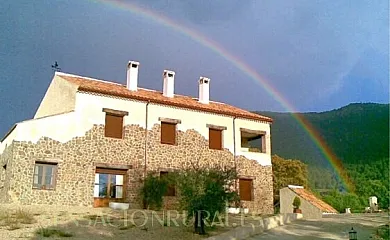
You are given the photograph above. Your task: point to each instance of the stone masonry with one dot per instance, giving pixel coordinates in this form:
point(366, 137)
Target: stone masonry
point(76, 161)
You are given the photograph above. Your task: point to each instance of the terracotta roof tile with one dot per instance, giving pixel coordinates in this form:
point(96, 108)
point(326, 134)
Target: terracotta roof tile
point(115, 89)
point(310, 197)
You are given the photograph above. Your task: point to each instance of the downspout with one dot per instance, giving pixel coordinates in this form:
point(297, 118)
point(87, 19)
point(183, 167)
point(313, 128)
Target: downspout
point(234, 148)
point(146, 137)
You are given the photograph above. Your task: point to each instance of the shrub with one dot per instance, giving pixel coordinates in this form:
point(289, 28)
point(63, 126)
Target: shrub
point(24, 217)
point(152, 191)
point(296, 202)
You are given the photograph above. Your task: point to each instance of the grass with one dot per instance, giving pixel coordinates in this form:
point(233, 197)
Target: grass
point(48, 232)
point(24, 217)
point(14, 219)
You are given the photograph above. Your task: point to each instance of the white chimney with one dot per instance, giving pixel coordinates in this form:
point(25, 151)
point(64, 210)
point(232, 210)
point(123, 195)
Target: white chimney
point(169, 83)
point(132, 75)
point(204, 90)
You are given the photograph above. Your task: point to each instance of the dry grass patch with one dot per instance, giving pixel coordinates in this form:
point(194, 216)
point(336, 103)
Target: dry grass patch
point(13, 220)
point(24, 217)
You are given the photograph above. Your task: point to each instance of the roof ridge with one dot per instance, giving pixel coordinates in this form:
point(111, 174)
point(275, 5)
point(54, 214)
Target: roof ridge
point(87, 78)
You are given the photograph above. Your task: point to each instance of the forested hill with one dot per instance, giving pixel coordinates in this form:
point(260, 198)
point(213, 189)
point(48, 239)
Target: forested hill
point(357, 133)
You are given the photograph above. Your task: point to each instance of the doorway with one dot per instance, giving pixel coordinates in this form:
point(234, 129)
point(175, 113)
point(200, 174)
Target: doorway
point(109, 186)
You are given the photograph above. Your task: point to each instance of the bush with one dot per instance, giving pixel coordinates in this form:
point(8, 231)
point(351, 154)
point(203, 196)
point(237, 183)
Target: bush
point(297, 202)
point(152, 192)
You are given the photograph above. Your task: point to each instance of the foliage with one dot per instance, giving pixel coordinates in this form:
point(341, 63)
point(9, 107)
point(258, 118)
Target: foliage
point(341, 201)
point(382, 232)
point(296, 202)
point(152, 191)
point(287, 172)
point(206, 191)
point(372, 180)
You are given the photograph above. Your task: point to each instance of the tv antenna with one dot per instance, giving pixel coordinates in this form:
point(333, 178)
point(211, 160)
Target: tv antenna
point(55, 67)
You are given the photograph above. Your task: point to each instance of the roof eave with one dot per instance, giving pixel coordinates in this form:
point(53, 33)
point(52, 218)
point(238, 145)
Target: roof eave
point(260, 118)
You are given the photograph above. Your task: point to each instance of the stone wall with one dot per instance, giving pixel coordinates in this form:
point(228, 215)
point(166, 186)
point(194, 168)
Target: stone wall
point(5, 174)
point(77, 158)
point(76, 165)
point(262, 185)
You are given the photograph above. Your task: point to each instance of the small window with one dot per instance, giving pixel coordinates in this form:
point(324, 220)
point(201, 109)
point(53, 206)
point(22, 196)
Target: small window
point(114, 126)
point(253, 142)
point(168, 133)
point(171, 190)
point(246, 189)
point(215, 139)
point(45, 176)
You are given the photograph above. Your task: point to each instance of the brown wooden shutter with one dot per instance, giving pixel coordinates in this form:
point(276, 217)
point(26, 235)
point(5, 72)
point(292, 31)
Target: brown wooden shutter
point(245, 189)
point(215, 139)
point(171, 190)
point(168, 133)
point(114, 126)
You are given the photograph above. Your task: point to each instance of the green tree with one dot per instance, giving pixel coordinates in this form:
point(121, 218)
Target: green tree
point(206, 191)
point(287, 172)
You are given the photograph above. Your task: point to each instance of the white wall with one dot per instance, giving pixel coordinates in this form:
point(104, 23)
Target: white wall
point(59, 98)
point(262, 158)
point(91, 106)
point(88, 111)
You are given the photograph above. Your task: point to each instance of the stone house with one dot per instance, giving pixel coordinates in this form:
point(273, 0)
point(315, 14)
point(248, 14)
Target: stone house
point(311, 206)
point(92, 142)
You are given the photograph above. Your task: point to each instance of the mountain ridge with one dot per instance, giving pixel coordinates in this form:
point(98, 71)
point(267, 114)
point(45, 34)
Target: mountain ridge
point(356, 133)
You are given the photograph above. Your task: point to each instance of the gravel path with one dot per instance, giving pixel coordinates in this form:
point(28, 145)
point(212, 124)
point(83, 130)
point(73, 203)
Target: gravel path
point(331, 227)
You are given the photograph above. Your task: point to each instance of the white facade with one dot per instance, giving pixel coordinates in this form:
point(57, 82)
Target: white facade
point(87, 112)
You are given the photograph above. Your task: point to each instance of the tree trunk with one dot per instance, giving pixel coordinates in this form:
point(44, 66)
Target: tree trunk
point(199, 223)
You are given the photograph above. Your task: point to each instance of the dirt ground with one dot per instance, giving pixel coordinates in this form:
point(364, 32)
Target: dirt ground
point(63, 222)
point(330, 227)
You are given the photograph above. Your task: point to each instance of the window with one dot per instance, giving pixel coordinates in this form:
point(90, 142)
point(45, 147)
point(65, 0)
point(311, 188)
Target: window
point(245, 189)
point(114, 123)
point(253, 141)
point(215, 139)
point(171, 190)
point(109, 183)
point(44, 175)
point(114, 126)
point(168, 133)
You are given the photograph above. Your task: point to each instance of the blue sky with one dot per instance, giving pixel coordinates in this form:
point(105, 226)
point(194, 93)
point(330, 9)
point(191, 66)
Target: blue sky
point(319, 55)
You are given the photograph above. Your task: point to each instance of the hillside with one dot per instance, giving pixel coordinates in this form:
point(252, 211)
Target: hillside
point(357, 133)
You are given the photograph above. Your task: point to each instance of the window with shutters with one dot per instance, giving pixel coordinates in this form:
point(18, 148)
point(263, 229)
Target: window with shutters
point(114, 126)
point(44, 175)
point(171, 189)
point(168, 133)
point(246, 187)
point(215, 138)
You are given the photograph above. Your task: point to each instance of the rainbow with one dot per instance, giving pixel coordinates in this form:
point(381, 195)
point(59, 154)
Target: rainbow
point(242, 66)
